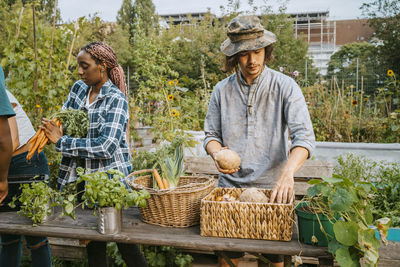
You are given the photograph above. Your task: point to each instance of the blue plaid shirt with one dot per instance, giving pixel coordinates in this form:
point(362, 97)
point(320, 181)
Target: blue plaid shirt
point(105, 146)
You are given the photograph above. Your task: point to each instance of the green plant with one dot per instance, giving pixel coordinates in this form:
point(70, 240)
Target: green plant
point(37, 200)
point(350, 201)
point(75, 122)
point(384, 175)
point(172, 166)
point(102, 191)
point(163, 256)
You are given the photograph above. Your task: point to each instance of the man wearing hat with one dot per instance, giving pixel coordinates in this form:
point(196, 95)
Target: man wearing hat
point(253, 112)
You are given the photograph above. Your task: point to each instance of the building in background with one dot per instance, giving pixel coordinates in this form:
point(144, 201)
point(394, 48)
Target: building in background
point(326, 36)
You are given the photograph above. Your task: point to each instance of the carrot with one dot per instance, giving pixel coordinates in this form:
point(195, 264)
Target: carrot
point(42, 144)
point(35, 145)
point(165, 182)
point(158, 179)
point(33, 139)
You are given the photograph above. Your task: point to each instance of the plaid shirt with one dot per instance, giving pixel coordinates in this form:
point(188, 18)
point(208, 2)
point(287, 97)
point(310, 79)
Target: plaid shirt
point(105, 146)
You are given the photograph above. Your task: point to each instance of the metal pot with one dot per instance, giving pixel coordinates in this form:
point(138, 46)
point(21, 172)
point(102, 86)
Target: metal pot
point(109, 220)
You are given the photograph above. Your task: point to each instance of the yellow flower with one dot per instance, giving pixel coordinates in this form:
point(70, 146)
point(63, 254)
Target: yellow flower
point(170, 97)
point(174, 113)
point(176, 81)
point(171, 83)
point(355, 102)
point(58, 107)
point(390, 73)
point(49, 163)
point(38, 106)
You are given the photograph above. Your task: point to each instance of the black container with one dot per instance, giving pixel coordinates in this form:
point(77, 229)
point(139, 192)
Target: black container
point(14, 183)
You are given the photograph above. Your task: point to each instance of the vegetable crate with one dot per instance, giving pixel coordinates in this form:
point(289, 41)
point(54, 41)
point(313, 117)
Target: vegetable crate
point(14, 183)
point(179, 207)
point(270, 221)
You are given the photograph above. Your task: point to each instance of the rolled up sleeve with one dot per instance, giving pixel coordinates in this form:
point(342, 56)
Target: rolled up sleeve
point(298, 120)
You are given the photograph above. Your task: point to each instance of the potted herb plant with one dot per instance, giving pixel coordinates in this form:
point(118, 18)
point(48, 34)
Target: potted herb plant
point(38, 200)
point(107, 195)
point(347, 205)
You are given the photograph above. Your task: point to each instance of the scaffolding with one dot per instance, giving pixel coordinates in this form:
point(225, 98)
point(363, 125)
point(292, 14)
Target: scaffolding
point(320, 34)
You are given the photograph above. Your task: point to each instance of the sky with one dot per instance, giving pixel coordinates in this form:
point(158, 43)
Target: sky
point(107, 9)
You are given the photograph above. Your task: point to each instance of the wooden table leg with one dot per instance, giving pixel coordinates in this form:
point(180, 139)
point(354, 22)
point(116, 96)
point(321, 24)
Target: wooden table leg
point(287, 262)
point(325, 262)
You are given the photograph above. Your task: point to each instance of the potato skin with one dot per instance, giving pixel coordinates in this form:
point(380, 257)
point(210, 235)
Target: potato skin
point(253, 195)
point(228, 159)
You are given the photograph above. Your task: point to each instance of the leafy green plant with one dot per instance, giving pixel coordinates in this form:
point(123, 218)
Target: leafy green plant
point(75, 122)
point(101, 191)
point(37, 200)
point(163, 256)
point(350, 201)
point(384, 175)
point(172, 166)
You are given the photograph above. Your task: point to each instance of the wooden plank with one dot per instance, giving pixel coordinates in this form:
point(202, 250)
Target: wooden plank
point(310, 169)
point(135, 231)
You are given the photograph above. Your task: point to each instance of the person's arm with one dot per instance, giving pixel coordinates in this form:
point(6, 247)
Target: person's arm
point(112, 131)
point(5, 155)
point(12, 122)
point(284, 187)
point(303, 141)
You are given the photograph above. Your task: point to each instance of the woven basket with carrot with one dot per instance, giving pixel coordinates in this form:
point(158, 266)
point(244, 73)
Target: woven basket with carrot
point(73, 122)
point(174, 199)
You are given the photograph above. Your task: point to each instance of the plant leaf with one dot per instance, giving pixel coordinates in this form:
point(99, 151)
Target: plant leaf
point(344, 258)
point(346, 232)
point(341, 200)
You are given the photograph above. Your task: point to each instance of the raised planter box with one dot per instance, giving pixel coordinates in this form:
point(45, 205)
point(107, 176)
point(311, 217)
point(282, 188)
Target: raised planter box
point(393, 234)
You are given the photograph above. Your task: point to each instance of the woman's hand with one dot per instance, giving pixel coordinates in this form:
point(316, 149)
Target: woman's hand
point(52, 131)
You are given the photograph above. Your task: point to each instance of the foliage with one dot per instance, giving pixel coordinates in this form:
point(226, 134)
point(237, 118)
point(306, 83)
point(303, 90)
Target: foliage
point(150, 160)
point(172, 166)
point(350, 199)
point(384, 175)
point(144, 16)
point(102, 191)
point(343, 65)
point(75, 122)
point(35, 201)
point(163, 256)
point(340, 114)
point(125, 16)
point(384, 18)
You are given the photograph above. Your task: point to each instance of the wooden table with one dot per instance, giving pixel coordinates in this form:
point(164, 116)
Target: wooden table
point(136, 231)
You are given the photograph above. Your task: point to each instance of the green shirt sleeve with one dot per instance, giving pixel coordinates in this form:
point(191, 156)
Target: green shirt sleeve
point(5, 105)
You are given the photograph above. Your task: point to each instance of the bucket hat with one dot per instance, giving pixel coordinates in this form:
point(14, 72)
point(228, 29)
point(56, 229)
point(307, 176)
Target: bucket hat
point(246, 33)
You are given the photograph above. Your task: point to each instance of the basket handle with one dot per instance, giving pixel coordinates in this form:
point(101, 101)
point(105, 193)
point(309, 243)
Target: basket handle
point(153, 171)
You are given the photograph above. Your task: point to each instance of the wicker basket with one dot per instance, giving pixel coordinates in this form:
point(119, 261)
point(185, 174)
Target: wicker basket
point(179, 207)
point(244, 219)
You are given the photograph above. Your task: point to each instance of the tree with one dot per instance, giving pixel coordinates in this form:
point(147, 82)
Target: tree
point(384, 18)
point(126, 16)
point(144, 14)
point(343, 65)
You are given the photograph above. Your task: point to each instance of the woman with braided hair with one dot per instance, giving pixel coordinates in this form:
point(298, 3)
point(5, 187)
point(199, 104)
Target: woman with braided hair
point(102, 93)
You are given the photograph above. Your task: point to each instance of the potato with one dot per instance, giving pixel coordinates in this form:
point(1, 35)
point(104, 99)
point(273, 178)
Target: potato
point(228, 159)
point(253, 195)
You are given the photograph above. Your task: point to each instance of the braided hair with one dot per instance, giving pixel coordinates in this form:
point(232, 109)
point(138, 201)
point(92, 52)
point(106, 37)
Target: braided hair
point(103, 53)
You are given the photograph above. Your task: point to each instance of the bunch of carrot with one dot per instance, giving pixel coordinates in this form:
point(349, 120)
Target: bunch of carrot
point(39, 140)
point(161, 182)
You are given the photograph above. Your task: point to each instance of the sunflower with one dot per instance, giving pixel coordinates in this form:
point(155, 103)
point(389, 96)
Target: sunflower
point(38, 106)
point(171, 83)
point(390, 73)
point(355, 102)
point(176, 81)
point(174, 113)
point(170, 97)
